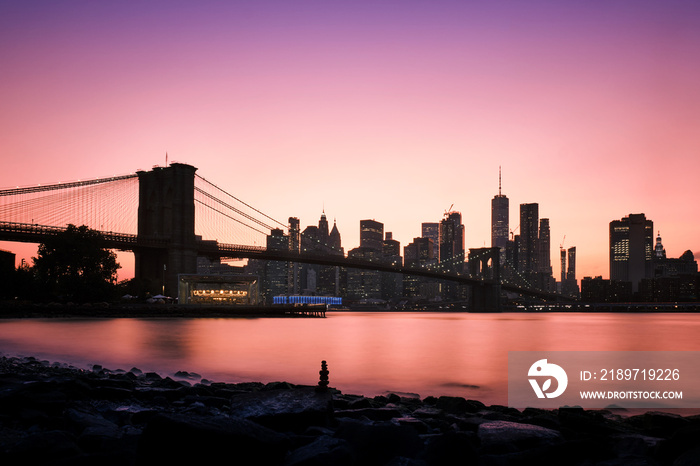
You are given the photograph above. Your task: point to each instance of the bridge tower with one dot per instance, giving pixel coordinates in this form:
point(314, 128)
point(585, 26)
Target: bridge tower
point(166, 220)
point(486, 296)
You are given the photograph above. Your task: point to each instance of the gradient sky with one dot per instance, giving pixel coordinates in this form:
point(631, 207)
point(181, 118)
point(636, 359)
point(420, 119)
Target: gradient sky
point(392, 110)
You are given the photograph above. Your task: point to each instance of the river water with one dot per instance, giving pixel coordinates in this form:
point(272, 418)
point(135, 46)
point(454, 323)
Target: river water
point(369, 353)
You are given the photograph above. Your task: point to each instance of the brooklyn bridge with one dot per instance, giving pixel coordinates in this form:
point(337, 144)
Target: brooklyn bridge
point(169, 216)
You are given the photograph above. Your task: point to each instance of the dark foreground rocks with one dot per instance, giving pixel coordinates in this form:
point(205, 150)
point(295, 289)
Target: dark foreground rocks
point(57, 415)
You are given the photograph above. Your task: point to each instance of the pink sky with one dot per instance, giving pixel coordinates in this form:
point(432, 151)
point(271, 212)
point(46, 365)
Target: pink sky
point(384, 110)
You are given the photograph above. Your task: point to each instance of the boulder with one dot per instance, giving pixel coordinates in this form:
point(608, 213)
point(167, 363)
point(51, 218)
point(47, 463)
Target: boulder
point(323, 451)
point(505, 436)
point(293, 409)
point(377, 443)
point(182, 439)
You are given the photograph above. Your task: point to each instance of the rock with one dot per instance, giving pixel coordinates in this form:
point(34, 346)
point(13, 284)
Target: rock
point(658, 424)
point(182, 439)
point(284, 410)
point(40, 448)
point(689, 458)
point(377, 443)
point(419, 426)
point(505, 436)
point(633, 446)
point(324, 451)
point(427, 412)
point(374, 414)
point(187, 375)
point(458, 405)
point(360, 403)
point(452, 448)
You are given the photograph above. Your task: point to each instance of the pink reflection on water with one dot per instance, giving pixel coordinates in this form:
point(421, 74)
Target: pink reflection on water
point(367, 353)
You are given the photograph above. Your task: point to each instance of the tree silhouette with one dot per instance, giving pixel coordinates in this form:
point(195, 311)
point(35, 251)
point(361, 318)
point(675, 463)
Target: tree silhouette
point(75, 265)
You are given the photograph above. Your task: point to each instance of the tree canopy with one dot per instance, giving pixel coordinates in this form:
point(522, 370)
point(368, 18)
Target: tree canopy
point(76, 265)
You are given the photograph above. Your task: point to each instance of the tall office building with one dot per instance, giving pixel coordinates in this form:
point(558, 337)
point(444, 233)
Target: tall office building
point(391, 249)
point(545, 279)
point(334, 240)
point(392, 286)
point(562, 253)
point(452, 240)
point(372, 235)
point(432, 230)
point(569, 285)
point(419, 253)
point(571, 269)
point(294, 246)
point(631, 249)
point(545, 262)
point(276, 272)
point(499, 219)
point(323, 229)
point(528, 255)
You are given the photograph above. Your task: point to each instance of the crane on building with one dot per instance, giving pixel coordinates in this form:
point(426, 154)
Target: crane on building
point(447, 212)
point(512, 233)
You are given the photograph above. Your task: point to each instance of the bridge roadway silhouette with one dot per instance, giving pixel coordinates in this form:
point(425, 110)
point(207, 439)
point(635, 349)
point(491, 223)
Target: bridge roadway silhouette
point(32, 233)
point(166, 204)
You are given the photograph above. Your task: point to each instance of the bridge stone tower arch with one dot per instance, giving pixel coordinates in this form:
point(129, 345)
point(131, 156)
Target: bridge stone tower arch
point(486, 263)
point(167, 242)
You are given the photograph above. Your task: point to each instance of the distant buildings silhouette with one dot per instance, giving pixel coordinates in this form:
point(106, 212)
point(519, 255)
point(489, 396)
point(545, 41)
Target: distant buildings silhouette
point(640, 270)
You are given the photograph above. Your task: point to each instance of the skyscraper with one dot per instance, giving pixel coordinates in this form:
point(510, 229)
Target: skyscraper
point(334, 239)
point(528, 255)
point(545, 262)
point(570, 285)
point(294, 246)
point(276, 272)
point(371, 235)
point(499, 219)
point(452, 240)
point(323, 229)
point(545, 280)
point(432, 230)
point(571, 270)
point(416, 254)
point(631, 249)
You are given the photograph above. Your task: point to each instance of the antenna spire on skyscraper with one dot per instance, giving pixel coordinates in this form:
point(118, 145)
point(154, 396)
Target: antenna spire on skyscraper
point(499, 180)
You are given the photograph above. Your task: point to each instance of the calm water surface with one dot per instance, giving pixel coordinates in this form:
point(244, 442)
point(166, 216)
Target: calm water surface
point(368, 353)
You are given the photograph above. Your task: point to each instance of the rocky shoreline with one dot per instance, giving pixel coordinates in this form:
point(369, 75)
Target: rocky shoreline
point(57, 415)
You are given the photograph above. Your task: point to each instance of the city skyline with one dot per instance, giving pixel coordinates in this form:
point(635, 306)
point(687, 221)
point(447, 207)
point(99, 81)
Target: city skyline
point(390, 113)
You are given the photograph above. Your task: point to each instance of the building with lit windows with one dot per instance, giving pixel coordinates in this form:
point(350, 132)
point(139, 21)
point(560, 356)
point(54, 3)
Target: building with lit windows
point(276, 272)
point(432, 230)
point(419, 253)
point(452, 241)
point(528, 254)
point(372, 235)
point(218, 289)
point(631, 249)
